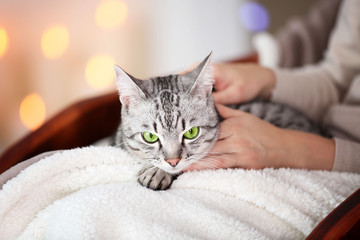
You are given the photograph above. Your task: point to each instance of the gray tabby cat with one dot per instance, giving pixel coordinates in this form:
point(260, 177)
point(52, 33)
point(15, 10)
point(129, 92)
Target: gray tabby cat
point(171, 122)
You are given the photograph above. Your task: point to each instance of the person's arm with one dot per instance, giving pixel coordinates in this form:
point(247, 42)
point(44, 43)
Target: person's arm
point(313, 89)
point(248, 142)
point(309, 151)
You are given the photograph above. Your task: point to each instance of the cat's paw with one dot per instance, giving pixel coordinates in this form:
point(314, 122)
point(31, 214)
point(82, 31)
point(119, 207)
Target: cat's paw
point(155, 178)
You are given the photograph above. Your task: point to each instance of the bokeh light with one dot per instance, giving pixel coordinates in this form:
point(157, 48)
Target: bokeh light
point(254, 16)
point(99, 71)
point(4, 41)
point(32, 111)
point(55, 41)
point(110, 14)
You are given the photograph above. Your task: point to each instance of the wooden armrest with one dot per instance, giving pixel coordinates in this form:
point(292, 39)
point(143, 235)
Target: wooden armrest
point(342, 223)
point(79, 125)
point(253, 58)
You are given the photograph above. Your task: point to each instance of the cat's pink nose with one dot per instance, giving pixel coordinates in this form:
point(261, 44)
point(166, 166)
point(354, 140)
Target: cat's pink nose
point(173, 162)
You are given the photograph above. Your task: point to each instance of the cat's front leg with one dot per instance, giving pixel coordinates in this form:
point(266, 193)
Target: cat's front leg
point(155, 178)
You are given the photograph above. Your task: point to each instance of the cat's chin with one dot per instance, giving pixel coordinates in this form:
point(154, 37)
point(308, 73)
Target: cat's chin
point(172, 170)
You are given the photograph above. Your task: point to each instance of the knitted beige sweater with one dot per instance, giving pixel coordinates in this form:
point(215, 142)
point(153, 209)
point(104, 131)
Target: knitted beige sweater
point(329, 93)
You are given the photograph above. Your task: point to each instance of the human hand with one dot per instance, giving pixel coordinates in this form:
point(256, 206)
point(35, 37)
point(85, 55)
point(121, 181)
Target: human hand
point(239, 82)
point(245, 141)
point(248, 142)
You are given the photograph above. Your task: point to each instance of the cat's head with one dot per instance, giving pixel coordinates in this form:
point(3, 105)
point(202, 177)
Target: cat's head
point(169, 122)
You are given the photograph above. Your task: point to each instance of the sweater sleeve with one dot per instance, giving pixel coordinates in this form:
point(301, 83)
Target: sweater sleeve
point(312, 89)
point(346, 156)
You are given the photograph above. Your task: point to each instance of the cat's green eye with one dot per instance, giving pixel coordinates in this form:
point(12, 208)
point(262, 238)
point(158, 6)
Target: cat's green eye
point(191, 133)
point(150, 137)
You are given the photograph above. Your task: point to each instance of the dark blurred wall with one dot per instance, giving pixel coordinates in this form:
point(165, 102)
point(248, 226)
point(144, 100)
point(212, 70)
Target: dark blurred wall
point(282, 10)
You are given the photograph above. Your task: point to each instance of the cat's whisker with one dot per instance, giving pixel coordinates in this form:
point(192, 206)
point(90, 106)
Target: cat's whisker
point(219, 156)
point(216, 153)
point(210, 154)
point(203, 158)
point(119, 144)
point(211, 159)
point(211, 162)
point(208, 165)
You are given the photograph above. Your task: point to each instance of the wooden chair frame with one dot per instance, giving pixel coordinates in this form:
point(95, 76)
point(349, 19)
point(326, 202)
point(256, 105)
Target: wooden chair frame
point(79, 125)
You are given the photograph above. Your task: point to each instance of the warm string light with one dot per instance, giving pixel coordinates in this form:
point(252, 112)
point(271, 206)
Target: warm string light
point(111, 14)
point(99, 71)
point(4, 41)
point(55, 41)
point(32, 111)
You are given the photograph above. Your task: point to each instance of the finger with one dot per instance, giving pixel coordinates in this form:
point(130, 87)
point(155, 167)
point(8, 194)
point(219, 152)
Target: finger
point(223, 145)
point(226, 96)
point(219, 76)
point(213, 161)
point(220, 156)
point(225, 155)
point(227, 112)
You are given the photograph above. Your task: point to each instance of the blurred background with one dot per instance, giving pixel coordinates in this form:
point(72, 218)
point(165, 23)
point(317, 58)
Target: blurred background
point(54, 53)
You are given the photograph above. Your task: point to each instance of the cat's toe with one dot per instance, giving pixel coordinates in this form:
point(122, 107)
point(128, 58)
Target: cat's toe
point(155, 178)
point(145, 176)
point(163, 181)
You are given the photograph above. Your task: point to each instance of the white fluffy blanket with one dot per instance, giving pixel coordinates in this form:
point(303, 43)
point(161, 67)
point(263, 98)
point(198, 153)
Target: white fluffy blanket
point(92, 193)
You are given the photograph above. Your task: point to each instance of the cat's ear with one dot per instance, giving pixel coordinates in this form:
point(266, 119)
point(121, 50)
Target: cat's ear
point(204, 76)
point(127, 88)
